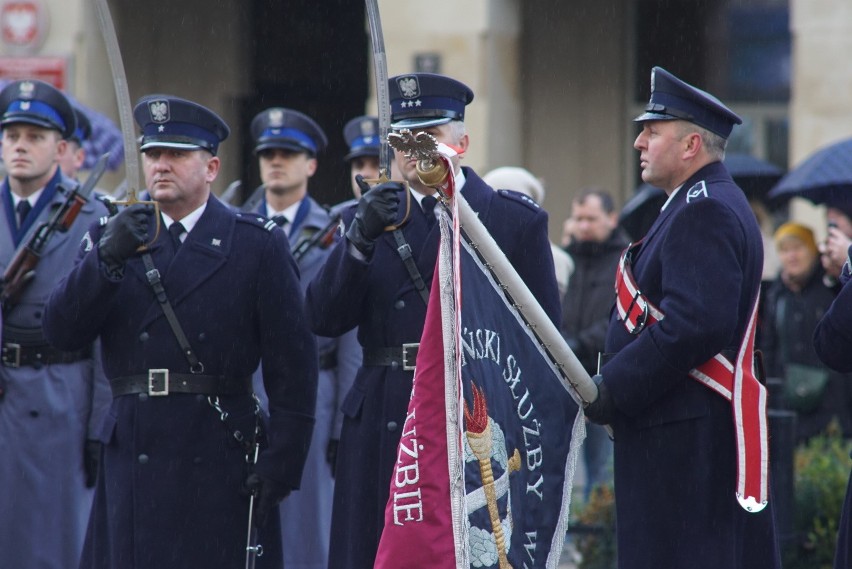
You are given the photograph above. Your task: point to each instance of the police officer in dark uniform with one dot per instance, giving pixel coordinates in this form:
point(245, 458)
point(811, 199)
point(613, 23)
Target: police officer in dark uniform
point(833, 343)
point(74, 155)
point(48, 406)
point(362, 136)
point(686, 301)
point(366, 283)
point(287, 143)
point(184, 323)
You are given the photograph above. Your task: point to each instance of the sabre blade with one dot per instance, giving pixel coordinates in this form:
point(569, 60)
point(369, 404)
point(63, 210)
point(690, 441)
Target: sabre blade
point(380, 72)
point(122, 95)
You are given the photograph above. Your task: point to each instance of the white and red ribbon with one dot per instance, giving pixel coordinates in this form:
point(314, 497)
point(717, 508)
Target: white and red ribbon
point(736, 382)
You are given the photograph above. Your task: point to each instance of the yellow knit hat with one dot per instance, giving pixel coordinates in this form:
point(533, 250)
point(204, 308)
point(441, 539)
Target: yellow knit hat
point(801, 232)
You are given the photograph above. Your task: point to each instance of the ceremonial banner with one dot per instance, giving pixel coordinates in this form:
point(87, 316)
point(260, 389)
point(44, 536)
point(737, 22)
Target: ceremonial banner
point(487, 454)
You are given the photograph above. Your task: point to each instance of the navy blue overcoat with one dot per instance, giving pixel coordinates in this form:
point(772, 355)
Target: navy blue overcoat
point(833, 343)
point(169, 493)
point(675, 453)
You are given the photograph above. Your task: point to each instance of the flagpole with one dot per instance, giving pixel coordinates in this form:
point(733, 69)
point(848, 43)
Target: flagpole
point(434, 169)
point(580, 384)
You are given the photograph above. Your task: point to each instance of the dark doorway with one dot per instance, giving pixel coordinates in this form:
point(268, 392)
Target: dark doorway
point(313, 57)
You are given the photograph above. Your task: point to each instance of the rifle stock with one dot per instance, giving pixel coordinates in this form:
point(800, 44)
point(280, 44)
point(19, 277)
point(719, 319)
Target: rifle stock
point(21, 270)
point(324, 237)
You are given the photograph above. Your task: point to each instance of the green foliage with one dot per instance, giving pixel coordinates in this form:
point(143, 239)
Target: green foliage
point(821, 474)
point(598, 547)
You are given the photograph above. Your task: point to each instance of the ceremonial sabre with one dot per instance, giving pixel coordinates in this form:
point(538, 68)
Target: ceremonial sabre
point(125, 113)
point(380, 71)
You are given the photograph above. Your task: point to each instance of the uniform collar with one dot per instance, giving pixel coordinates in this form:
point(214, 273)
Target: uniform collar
point(32, 198)
point(289, 212)
point(188, 221)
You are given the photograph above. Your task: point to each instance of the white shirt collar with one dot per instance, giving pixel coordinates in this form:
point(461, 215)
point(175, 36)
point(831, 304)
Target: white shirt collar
point(289, 212)
point(671, 197)
point(189, 221)
point(32, 198)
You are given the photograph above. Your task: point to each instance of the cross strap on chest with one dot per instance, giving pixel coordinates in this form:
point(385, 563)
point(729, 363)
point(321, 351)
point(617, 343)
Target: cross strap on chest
point(733, 380)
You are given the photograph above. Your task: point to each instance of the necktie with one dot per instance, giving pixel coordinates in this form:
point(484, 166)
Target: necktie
point(176, 230)
point(428, 205)
point(23, 208)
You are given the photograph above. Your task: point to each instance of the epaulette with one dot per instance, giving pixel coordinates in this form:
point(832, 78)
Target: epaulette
point(256, 220)
point(520, 198)
point(699, 190)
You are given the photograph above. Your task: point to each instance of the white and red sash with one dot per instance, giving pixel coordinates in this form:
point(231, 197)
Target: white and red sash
point(735, 382)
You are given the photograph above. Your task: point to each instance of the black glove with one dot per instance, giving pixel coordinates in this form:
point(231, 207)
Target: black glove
point(91, 459)
point(376, 210)
point(268, 493)
point(331, 453)
point(123, 235)
point(602, 409)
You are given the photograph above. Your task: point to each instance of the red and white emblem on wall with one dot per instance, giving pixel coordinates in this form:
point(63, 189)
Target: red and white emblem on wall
point(23, 24)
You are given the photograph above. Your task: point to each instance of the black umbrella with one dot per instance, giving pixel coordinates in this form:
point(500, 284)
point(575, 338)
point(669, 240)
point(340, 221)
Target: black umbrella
point(756, 177)
point(823, 177)
point(640, 211)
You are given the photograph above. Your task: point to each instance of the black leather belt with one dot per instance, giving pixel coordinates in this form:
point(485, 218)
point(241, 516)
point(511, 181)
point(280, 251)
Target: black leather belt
point(159, 382)
point(328, 360)
point(403, 357)
point(15, 354)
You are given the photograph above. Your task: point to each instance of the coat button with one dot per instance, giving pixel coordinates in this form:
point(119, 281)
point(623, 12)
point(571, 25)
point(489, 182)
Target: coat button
point(34, 414)
point(392, 426)
point(197, 460)
point(143, 459)
point(143, 397)
point(399, 304)
point(202, 337)
point(143, 337)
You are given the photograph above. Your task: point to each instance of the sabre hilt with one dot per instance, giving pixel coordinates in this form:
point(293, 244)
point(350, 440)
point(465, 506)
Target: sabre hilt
point(423, 147)
point(131, 199)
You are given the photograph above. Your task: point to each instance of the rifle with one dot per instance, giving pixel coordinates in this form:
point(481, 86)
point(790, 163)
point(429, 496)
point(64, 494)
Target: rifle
point(20, 272)
point(324, 237)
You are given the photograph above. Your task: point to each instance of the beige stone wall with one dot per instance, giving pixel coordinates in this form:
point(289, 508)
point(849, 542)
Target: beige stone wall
point(183, 48)
point(549, 83)
point(821, 104)
point(577, 121)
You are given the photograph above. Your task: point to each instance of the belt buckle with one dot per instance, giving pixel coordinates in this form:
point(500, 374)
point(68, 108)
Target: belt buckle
point(15, 360)
point(406, 366)
point(158, 382)
point(641, 321)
